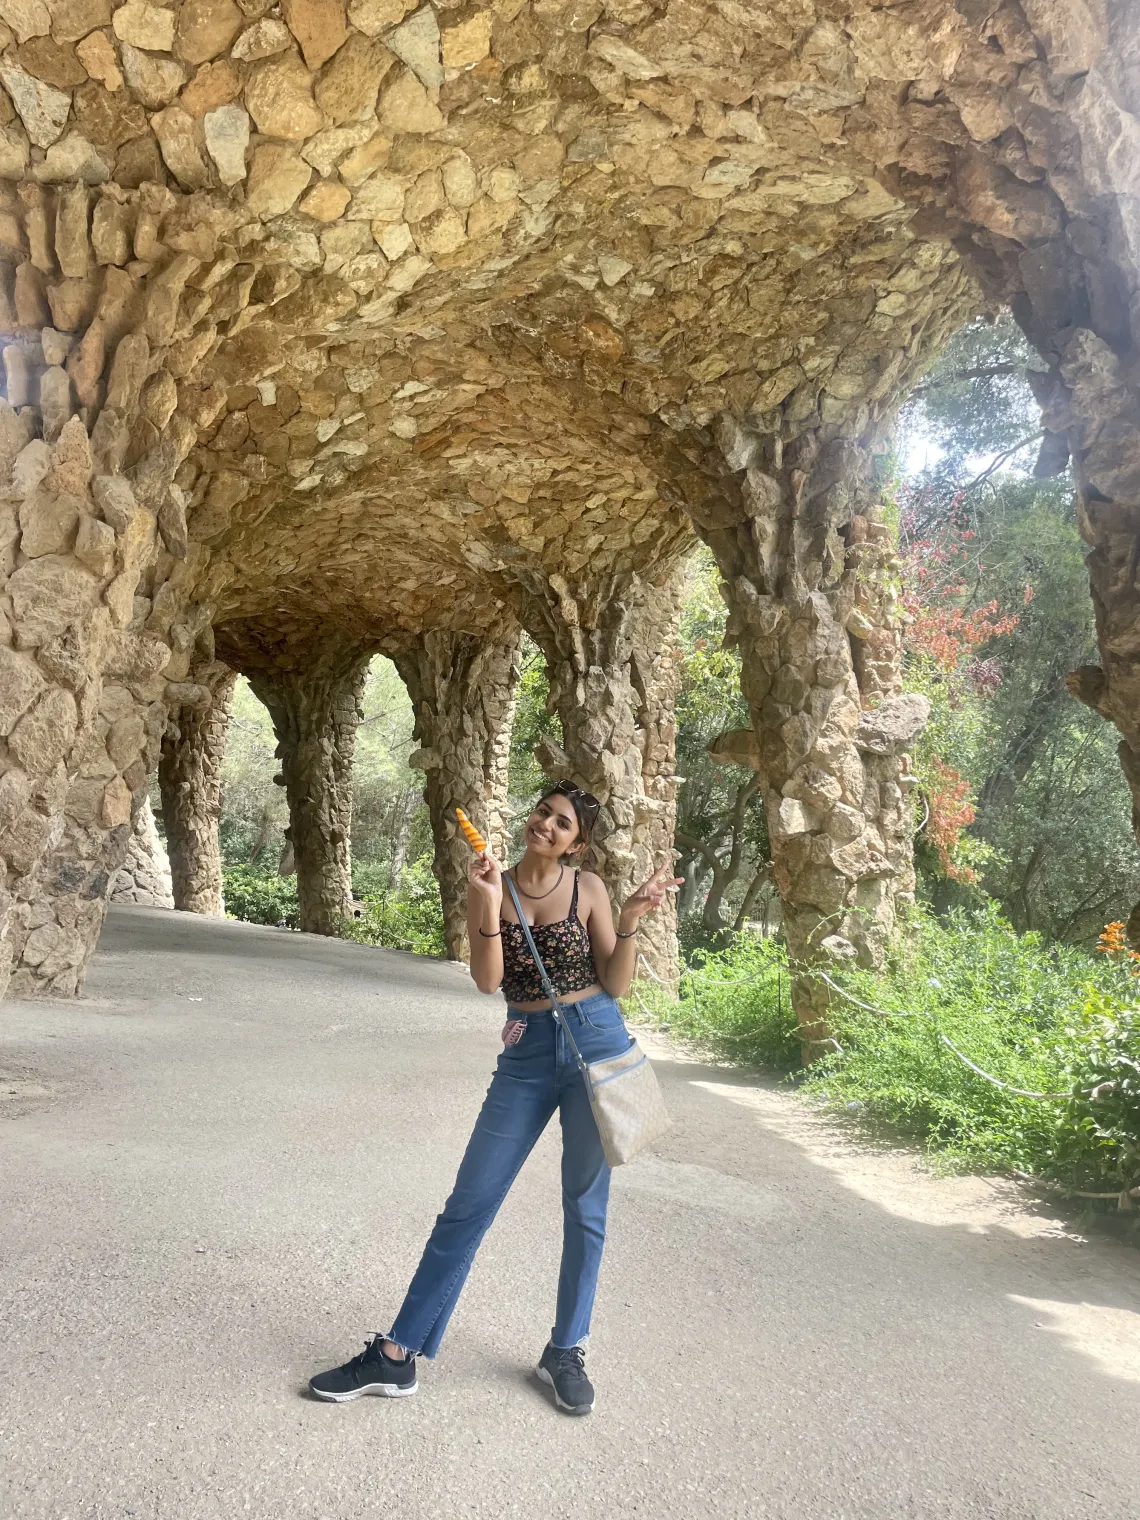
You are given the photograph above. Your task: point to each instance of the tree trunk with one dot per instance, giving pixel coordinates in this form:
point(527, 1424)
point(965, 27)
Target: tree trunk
point(462, 688)
point(727, 871)
point(401, 829)
point(190, 780)
point(693, 868)
point(315, 707)
point(263, 831)
point(755, 887)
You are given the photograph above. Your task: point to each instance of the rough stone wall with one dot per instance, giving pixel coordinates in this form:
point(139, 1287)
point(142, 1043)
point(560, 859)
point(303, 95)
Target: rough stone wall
point(82, 689)
point(365, 304)
point(316, 708)
point(587, 629)
point(144, 876)
point(463, 697)
point(806, 577)
point(190, 781)
point(655, 671)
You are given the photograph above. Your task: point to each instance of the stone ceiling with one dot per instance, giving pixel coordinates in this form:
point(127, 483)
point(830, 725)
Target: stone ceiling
point(463, 287)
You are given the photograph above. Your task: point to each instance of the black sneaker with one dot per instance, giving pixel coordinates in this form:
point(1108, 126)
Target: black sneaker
point(565, 1372)
point(370, 1372)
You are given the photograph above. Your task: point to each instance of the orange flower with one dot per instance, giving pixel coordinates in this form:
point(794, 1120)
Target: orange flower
point(1111, 941)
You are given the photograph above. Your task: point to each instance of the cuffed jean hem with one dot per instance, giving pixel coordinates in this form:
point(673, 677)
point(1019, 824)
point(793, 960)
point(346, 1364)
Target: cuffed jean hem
point(583, 1341)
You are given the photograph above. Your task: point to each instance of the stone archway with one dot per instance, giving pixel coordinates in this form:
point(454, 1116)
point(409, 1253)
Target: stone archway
point(383, 319)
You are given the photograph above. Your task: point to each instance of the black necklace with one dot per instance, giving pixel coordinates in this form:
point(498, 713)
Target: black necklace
point(541, 895)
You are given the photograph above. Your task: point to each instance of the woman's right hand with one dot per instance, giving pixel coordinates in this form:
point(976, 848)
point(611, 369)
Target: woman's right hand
point(485, 878)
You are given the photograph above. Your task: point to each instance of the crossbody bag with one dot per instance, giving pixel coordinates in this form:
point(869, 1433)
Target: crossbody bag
point(624, 1095)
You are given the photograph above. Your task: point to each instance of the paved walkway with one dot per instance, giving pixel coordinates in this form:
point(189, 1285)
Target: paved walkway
point(217, 1172)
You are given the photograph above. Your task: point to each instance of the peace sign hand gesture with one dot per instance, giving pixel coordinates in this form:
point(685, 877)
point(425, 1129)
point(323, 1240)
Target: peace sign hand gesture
point(651, 894)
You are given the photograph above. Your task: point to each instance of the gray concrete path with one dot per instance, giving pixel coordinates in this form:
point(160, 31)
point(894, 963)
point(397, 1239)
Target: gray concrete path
point(216, 1175)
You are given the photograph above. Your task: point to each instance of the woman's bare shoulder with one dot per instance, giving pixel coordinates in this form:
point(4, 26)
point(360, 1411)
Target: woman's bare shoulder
point(593, 885)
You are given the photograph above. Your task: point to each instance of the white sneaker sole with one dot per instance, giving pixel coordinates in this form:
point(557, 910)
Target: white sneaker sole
point(381, 1390)
point(544, 1377)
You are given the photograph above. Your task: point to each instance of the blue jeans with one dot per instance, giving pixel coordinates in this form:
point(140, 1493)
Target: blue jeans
point(532, 1079)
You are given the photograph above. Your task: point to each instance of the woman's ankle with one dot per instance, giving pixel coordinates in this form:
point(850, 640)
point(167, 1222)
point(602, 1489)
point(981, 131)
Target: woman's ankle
point(393, 1352)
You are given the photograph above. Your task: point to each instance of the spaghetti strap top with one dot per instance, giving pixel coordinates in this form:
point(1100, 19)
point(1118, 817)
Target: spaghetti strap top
point(565, 949)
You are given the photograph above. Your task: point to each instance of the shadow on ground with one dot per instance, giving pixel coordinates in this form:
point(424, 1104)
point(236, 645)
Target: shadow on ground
point(245, 1138)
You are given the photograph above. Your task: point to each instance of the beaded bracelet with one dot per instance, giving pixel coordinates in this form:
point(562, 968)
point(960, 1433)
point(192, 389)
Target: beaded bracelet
point(620, 935)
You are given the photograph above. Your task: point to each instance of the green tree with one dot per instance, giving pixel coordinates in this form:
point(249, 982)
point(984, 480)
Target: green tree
point(722, 834)
point(390, 824)
point(254, 812)
point(533, 721)
point(995, 551)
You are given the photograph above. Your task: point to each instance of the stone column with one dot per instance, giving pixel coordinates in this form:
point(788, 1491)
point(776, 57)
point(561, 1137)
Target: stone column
point(656, 674)
point(1101, 410)
point(604, 638)
point(190, 780)
point(144, 876)
point(82, 691)
point(1064, 253)
point(106, 586)
point(314, 702)
point(806, 565)
point(462, 688)
point(1090, 404)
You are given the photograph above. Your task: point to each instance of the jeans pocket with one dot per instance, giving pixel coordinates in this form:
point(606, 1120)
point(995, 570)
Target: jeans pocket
point(603, 1015)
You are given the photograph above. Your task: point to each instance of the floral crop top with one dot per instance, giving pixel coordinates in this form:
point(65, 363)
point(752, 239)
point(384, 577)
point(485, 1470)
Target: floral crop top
point(566, 954)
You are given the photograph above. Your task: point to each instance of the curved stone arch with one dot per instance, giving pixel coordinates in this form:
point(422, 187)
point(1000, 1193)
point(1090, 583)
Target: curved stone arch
point(518, 300)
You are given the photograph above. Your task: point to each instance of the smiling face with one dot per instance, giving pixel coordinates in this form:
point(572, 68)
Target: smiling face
point(552, 828)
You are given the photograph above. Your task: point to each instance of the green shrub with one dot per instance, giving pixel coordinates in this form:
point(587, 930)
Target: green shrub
point(737, 1001)
point(1099, 1142)
point(1043, 1019)
point(408, 919)
point(258, 898)
point(696, 941)
point(370, 879)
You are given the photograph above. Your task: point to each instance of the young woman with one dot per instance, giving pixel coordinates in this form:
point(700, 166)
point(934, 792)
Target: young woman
point(589, 965)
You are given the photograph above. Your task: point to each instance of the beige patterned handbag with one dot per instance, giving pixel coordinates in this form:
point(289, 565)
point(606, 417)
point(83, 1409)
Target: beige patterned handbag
point(626, 1101)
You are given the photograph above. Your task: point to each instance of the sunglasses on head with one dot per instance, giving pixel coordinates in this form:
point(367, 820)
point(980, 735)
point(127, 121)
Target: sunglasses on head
point(590, 803)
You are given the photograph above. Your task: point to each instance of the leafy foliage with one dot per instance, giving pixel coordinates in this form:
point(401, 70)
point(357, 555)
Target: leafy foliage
point(533, 721)
point(1043, 1018)
point(1101, 1138)
point(975, 403)
point(722, 833)
point(1025, 795)
point(737, 1001)
point(254, 812)
point(409, 917)
point(390, 820)
point(260, 898)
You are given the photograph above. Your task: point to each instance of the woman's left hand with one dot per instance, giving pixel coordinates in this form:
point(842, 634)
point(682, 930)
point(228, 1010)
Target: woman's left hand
point(649, 896)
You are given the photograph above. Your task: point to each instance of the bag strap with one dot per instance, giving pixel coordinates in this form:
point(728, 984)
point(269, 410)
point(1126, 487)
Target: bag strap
point(544, 978)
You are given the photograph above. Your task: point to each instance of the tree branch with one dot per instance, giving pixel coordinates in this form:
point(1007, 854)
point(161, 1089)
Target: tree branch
point(1001, 459)
point(691, 842)
point(983, 372)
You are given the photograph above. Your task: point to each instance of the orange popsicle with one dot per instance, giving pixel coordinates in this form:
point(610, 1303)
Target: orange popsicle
point(474, 838)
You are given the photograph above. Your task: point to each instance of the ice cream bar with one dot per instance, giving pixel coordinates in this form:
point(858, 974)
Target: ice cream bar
point(474, 838)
